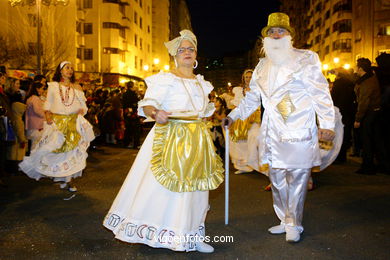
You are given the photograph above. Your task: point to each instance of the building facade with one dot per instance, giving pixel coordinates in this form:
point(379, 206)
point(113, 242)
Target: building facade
point(371, 28)
point(115, 40)
point(330, 32)
point(341, 31)
point(299, 19)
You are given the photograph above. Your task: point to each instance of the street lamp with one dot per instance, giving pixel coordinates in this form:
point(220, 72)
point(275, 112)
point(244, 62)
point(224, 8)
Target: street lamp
point(38, 3)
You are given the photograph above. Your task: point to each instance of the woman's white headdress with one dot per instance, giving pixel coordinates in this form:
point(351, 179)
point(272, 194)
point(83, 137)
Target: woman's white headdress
point(174, 44)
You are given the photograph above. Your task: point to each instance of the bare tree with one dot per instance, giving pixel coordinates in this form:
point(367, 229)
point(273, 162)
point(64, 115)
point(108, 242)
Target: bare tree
point(20, 44)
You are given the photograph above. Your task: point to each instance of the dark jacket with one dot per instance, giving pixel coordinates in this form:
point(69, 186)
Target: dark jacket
point(368, 95)
point(344, 98)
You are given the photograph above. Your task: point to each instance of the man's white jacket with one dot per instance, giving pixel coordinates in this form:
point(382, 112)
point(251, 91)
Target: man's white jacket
point(296, 97)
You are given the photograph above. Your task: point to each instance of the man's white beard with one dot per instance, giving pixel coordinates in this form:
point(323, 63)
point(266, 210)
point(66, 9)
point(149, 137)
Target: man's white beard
point(278, 50)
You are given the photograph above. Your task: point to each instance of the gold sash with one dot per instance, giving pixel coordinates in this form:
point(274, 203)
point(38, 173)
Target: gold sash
point(239, 129)
point(184, 157)
point(67, 125)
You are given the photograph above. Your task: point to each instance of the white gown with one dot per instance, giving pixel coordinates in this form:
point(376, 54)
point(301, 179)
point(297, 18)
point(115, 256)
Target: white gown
point(42, 162)
point(144, 211)
point(244, 153)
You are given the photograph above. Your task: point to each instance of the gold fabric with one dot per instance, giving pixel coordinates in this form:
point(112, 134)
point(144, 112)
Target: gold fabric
point(174, 44)
point(239, 129)
point(326, 145)
point(278, 20)
point(264, 168)
point(67, 125)
point(184, 157)
point(286, 107)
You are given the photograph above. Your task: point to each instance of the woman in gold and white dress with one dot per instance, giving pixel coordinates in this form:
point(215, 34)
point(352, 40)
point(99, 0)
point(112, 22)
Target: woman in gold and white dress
point(244, 133)
point(61, 152)
point(164, 200)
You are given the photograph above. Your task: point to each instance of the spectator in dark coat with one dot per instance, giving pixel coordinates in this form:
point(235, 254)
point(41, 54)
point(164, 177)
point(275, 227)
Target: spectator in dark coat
point(383, 74)
point(132, 121)
point(369, 98)
point(344, 98)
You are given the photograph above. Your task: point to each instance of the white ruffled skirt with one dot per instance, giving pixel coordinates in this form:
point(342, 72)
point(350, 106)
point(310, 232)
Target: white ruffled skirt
point(146, 212)
point(245, 153)
point(42, 162)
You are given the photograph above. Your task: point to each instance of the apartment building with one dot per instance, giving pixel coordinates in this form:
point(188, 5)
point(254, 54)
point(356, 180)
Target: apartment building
point(341, 31)
point(113, 40)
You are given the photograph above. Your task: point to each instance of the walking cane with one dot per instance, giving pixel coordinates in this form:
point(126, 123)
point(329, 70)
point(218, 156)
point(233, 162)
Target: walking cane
point(226, 174)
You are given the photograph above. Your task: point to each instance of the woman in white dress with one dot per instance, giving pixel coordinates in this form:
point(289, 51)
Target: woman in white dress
point(164, 200)
point(244, 133)
point(61, 152)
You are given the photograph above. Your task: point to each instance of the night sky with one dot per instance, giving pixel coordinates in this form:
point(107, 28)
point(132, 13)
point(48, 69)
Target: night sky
point(224, 26)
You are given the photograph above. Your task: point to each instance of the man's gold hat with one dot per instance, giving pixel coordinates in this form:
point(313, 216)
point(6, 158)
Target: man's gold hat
point(278, 20)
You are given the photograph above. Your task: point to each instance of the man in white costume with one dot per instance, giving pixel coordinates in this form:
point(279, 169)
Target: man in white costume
point(290, 85)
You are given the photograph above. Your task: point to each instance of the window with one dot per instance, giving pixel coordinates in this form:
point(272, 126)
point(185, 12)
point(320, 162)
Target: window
point(140, 4)
point(344, 45)
point(109, 50)
point(140, 22)
point(135, 17)
point(135, 62)
point(148, 47)
point(123, 56)
point(111, 25)
point(135, 39)
point(148, 28)
point(384, 30)
point(318, 7)
point(344, 5)
point(122, 32)
point(87, 4)
point(88, 54)
point(79, 53)
point(358, 36)
point(140, 43)
point(327, 14)
point(141, 63)
point(343, 26)
point(327, 32)
point(78, 27)
point(148, 9)
point(327, 49)
point(122, 10)
point(318, 23)
point(87, 28)
point(32, 20)
point(317, 39)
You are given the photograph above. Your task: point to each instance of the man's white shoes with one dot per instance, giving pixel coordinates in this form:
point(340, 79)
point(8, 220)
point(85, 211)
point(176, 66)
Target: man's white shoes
point(292, 234)
point(276, 230)
point(204, 248)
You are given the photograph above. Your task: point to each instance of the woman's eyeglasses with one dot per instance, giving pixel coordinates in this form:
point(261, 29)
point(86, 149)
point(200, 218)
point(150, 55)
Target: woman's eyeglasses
point(183, 49)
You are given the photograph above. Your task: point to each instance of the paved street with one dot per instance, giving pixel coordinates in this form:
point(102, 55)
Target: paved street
point(346, 217)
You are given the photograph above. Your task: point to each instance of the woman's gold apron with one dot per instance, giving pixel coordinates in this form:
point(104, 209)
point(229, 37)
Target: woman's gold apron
point(239, 129)
point(184, 157)
point(67, 125)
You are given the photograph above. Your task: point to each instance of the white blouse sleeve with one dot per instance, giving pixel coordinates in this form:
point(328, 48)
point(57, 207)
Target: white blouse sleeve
point(158, 87)
point(82, 100)
point(210, 108)
point(50, 98)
